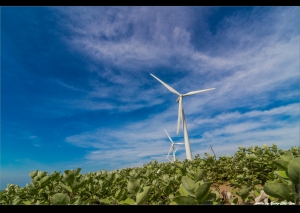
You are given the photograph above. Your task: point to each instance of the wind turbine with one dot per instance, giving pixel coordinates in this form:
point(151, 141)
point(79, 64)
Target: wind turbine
point(172, 148)
point(181, 114)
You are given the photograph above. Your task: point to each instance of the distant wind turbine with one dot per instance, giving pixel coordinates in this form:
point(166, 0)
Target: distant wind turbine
point(172, 148)
point(181, 114)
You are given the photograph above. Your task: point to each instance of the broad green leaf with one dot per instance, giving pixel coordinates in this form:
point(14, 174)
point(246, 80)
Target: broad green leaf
point(179, 165)
point(202, 192)
point(60, 198)
point(185, 200)
point(287, 156)
point(45, 180)
point(265, 146)
point(211, 197)
point(281, 164)
point(209, 202)
point(109, 177)
point(165, 177)
point(234, 200)
point(32, 189)
point(133, 186)
point(143, 196)
point(234, 183)
point(190, 175)
point(79, 185)
point(216, 193)
point(282, 174)
point(199, 183)
point(128, 201)
point(167, 189)
point(294, 170)
point(41, 174)
point(105, 201)
point(77, 201)
point(121, 194)
point(171, 196)
point(244, 192)
point(132, 172)
point(77, 171)
point(65, 187)
point(173, 203)
point(35, 179)
point(189, 185)
point(27, 202)
point(277, 190)
point(156, 195)
point(69, 176)
point(181, 168)
point(33, 174)
point(175, 182)
point(17, 201)
point(199, 175)
point(55, 176)
point(182, 190)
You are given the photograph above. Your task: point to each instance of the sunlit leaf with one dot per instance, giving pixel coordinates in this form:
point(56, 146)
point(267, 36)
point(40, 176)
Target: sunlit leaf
point(199, 175)
point(202, 192)
point(60, 198)
point(294, 170)
point(189, 185)
point(282, 174)
point(69, 176)
point(143, 196)
point(277, 190)
point(33, 174)
point(281, 164)
point(182, 191)
point(128, 201)
point(185, 200)
point(133, 186)
point(287, 156)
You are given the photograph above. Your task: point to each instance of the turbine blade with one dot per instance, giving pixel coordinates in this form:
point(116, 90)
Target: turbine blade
point(175, 150)
point(166, 85)
point(170, 151)
point(198, 91)
point(179, 113)
point(169, 136)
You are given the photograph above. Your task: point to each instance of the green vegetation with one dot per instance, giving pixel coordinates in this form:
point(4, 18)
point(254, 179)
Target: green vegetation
point(194, 182)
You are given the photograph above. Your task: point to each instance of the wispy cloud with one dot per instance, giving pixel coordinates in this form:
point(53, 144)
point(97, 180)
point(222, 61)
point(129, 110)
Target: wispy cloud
point(235, 129)
point(254, 60)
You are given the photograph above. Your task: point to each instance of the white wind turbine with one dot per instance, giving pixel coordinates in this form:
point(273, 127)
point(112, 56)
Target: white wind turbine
point(172, 148)
point(181, 115)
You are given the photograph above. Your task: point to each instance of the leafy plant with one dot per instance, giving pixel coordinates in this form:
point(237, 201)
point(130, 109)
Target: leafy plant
point(193, 182)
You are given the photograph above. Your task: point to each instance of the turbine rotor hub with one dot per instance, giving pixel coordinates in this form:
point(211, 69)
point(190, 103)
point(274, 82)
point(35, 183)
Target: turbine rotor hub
point(180, 96)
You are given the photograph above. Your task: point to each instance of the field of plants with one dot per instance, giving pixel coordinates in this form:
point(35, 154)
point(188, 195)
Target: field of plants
point(195, 182)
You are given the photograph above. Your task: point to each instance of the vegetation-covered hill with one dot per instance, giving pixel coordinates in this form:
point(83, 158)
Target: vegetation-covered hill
point(249, 171)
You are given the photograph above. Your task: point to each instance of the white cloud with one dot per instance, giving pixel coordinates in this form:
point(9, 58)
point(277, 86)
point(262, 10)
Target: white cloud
point(227, 132)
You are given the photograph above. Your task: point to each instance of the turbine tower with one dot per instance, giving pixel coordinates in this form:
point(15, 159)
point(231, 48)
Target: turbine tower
point(181, 115)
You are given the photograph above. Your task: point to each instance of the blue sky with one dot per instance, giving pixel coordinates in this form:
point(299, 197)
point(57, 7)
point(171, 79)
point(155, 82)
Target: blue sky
point(76, 89)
